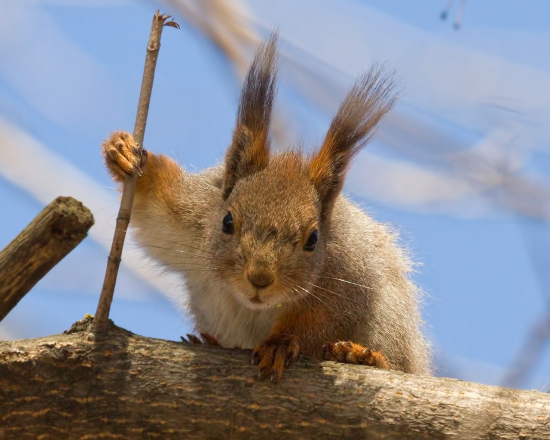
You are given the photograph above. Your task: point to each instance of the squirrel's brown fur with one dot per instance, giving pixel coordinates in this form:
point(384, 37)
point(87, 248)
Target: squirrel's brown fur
point(273, 256)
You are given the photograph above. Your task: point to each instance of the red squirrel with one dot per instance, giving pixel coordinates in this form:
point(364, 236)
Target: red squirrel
point(273, 256)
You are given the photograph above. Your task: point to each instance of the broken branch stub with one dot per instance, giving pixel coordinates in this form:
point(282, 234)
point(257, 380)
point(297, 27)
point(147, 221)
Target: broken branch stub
point(55, 232)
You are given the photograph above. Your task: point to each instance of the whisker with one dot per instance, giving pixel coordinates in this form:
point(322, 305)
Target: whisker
point(348, 282)
point(175, 236)
point(307, 291)
point(327, 290)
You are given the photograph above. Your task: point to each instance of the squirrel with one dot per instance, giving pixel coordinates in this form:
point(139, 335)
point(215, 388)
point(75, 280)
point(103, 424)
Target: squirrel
point(273, 256)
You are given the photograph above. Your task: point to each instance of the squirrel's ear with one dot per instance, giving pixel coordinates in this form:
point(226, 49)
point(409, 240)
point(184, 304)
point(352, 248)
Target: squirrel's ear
point(371, 97)
point(249, 150)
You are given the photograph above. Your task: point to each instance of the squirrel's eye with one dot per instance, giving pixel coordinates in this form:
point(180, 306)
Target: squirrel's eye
point(311, 241)
point(227, 227)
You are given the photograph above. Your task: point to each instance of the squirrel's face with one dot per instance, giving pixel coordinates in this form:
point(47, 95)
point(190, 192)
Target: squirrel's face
point(269, 238)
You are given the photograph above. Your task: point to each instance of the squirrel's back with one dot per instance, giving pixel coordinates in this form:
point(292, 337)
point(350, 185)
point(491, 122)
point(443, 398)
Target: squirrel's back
point(367, 253)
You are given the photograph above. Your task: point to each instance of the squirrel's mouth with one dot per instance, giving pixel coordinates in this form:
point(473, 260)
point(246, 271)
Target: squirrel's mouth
point(256, 299)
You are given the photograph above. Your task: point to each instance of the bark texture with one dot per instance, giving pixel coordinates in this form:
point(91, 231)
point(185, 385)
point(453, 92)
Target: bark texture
point(71, 386)
point(53, 233)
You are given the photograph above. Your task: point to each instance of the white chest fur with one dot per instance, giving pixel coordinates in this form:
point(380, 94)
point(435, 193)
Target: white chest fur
point(217, 312)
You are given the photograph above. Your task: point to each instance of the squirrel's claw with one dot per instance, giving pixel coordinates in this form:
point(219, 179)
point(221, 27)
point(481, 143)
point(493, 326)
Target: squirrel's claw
point(274, 354)
point(351, 353)
point(193, 339)
point(205, 339)
point(209, 339)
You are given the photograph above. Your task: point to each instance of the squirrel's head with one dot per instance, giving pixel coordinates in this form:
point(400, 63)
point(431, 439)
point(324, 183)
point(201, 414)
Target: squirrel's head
point(274, 224)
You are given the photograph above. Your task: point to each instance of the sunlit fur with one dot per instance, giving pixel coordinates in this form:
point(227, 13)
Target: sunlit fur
point(354, 286)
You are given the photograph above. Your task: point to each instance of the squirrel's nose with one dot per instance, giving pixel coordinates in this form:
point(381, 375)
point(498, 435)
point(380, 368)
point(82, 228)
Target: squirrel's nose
point(260, 278)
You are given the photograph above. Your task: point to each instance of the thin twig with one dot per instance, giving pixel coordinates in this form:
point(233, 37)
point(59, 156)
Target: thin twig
point(123, 219)
point(532, 347)
point(529, 353)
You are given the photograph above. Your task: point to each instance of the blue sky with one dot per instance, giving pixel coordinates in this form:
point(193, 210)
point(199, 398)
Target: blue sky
point(71, 74)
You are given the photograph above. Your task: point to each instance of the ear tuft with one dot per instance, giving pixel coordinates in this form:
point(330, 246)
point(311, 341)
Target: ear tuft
point(239, 159)
point(249, 150)
point(371, 97)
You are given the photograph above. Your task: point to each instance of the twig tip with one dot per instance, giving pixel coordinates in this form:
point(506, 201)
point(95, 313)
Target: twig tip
point(163, 17)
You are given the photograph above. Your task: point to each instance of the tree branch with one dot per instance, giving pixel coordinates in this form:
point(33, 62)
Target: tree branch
point(71, 386)
point(51, 235)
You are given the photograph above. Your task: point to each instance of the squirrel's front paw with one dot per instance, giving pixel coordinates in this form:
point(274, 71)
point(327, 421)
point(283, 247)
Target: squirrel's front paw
point(123, 156)
point(351, 353)
point(274, 354)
